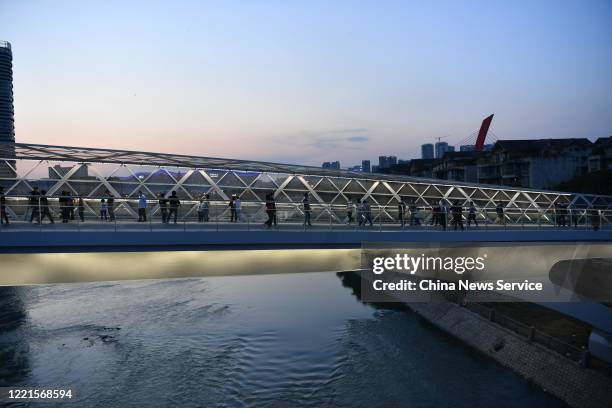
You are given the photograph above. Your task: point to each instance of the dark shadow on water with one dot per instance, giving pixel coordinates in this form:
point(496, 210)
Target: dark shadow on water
point(14, 360)
point(352, 280)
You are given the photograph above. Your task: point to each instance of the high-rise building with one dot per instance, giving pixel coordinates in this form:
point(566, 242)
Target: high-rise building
point(440, 149)
point(443, 147)
point(365, 166)
point(427, 151)
point(331, 165)
point(385, 162)
point(7, 111)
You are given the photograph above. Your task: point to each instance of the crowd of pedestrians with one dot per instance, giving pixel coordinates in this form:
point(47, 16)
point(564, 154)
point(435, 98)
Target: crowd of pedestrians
point(442, 213)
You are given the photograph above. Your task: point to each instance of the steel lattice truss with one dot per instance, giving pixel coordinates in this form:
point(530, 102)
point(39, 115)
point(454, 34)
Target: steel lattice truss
point(96, 173)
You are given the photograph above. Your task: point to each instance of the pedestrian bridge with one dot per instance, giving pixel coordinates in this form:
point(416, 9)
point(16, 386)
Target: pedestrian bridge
point(96, 174)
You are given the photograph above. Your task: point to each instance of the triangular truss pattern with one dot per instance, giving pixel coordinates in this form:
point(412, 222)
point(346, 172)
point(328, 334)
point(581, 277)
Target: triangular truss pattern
point(97, 173)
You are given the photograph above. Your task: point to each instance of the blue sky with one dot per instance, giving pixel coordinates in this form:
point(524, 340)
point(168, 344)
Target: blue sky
point(306, 82)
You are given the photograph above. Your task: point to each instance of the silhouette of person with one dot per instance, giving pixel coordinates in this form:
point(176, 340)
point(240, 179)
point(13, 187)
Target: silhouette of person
point(44, 207)
point(163, 207)
point(175, 203)
point(472, 215)
point(457, 212)
point(103, 210)
point(3, 215)
point(401, 213)
point(142, 208)
point(306, 206)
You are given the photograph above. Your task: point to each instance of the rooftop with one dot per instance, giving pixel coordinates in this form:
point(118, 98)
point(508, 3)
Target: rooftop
point(536, 146)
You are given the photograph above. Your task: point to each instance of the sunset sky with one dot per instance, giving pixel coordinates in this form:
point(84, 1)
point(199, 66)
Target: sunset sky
point(306, 81)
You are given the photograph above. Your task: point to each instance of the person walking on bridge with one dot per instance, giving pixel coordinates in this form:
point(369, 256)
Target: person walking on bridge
point(401, 210)
point(573, 215)
point(237, 207)
point(563, 221)
point(110, 202)
point(457, 212)
point(472, 215)
point(71, 205)
point(44, 207)
point(499, 209)
point(306, 208)
point(367, 213)
point(81, 209)
point(443, 213)
point(3, 216)
point(349, 211)
point(163, 207)
point(201, 210)
point(232, 208)
point(435, 214)
point(103, 210)
point(270, 210)
point(34, 204)
point(414, 214)
point(63, 203)
point(206, 207)
point(175, 203)
point(142, 208)
point(595, 216)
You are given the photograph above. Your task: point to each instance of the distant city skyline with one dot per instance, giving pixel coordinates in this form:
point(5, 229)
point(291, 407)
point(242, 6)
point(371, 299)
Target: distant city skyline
point(306, 82)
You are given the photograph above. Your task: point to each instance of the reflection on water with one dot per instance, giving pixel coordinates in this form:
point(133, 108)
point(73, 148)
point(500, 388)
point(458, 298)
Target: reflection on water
point(267, 340)
point(13, 355)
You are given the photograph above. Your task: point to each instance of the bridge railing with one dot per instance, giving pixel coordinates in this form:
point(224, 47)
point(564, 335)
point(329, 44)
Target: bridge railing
point(122, 213)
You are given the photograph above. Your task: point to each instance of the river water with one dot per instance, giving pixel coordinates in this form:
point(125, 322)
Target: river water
point(283, 340)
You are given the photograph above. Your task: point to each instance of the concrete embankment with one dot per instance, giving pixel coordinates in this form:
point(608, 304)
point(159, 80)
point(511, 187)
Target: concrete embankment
point(566, 379)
